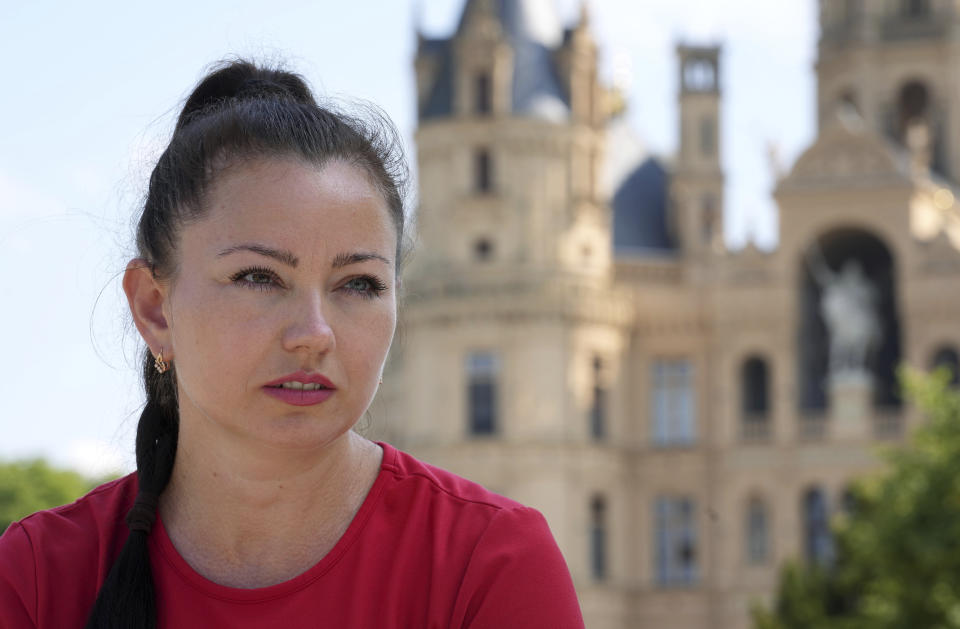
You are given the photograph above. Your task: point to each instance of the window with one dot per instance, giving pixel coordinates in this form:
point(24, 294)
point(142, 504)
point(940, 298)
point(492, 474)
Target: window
point(708, 218)
point(948, 358)
point(848, 501)
point(915, 8)
point(757, 531)
point(482, 373)
point(912, 107)
point(674, 421)
point(483, 102)
point(592, 173)
point(708, 133)
point(676, 541)
point(699, 75)
point(848, 101)
point(755, 398)
point(818, 540)
point(598, 538)
point(482, 249)
point(598, 404)
point(482, 167)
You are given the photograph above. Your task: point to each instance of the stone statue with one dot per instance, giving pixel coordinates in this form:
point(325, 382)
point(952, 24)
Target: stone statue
point(848, 305)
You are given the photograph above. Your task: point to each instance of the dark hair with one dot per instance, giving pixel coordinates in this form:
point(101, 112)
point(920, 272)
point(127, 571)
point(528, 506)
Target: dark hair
point(239, 111)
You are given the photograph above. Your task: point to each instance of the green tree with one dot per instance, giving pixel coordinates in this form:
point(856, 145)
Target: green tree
point(29, 486)
point(898, 550)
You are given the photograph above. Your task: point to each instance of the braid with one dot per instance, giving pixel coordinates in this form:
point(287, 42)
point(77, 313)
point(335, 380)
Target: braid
point(127, 599)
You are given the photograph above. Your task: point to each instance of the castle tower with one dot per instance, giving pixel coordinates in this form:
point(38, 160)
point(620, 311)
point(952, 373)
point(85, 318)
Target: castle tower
point(511, 335)
point(893, 63)
point(697, 189)
point(510, 145)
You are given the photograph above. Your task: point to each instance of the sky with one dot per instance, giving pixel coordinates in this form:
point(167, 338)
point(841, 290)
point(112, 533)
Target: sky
point(91, 91)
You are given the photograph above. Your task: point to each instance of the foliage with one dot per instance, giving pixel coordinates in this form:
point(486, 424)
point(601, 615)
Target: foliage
point(898, 551)
point(32, 485)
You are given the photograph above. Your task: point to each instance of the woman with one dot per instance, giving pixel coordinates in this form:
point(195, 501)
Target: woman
point(265, 290)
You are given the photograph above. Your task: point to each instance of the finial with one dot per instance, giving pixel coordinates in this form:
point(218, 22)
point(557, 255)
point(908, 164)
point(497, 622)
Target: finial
point(584, 14)
point(417, 8)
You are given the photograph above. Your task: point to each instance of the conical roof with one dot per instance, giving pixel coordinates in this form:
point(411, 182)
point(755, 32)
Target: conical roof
point(533, 29)
point(533, 21)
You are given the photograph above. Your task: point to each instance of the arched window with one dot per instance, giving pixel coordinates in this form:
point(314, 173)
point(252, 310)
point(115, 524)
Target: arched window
point(755, 398)
point(947, 357)
point(758, 531)
point(598, 538)
point(699, 75)
point(482, 93)
point(818, 540)
point(482, 171)
point(913, 105)
point(598, 403)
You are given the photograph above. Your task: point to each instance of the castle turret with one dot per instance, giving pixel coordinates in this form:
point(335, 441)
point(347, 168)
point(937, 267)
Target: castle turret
point(697, 190)
point(509, 302)
point(511, 144)
point(894, 64)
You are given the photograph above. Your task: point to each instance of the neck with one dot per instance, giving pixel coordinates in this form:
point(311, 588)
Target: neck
point(252, 517)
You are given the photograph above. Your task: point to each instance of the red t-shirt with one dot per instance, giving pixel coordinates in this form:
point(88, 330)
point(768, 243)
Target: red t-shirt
point(426, 550)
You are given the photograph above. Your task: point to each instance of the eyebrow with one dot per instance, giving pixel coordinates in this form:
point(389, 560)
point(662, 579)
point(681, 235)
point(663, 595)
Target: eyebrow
point(280, 255)
point(286, 257)
point(344, 259)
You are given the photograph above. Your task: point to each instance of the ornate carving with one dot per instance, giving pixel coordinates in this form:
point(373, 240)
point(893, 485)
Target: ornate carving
point(845, 154)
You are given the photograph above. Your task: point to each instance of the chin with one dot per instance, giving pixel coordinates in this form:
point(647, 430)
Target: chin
point(301, 434)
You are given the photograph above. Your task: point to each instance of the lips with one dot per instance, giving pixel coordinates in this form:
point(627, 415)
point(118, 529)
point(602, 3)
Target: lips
point(301, 388)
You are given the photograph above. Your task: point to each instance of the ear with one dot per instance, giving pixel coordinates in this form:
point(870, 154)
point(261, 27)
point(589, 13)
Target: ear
point(146, 297)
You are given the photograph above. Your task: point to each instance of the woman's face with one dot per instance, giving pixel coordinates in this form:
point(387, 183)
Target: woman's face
point(288, 278)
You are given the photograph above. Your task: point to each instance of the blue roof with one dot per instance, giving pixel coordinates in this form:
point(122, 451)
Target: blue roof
point(536, 87)
point(440, 101)
point(640, 210)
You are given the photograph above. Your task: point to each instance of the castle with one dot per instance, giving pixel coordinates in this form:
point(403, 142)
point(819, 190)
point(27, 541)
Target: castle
point(686, 417)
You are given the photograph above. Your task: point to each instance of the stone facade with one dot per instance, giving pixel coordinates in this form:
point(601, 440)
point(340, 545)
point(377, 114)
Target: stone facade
point(594, 351)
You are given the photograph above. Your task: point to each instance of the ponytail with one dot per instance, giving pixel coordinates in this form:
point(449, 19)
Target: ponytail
point(127, 599)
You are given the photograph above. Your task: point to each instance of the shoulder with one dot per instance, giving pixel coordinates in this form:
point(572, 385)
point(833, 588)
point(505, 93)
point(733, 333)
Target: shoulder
point(517, 577)
point(96, 516)
point(18, 597)
point(450, 505)
point(415, 475)
point(75, 543)
point(512, 572)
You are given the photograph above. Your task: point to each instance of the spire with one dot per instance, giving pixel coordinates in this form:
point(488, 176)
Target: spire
point(584, 14)
point(581, 32)
point(528, 21)
point(417, 10)
point(522, 37)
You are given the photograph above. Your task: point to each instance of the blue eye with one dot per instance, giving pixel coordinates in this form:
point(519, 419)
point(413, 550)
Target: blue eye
point(365, 286)
point(258, 278)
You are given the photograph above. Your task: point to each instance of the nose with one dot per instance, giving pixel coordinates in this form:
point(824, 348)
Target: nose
point(308, 328)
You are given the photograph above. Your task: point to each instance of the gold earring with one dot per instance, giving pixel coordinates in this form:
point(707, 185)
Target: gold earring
point(158, 362)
